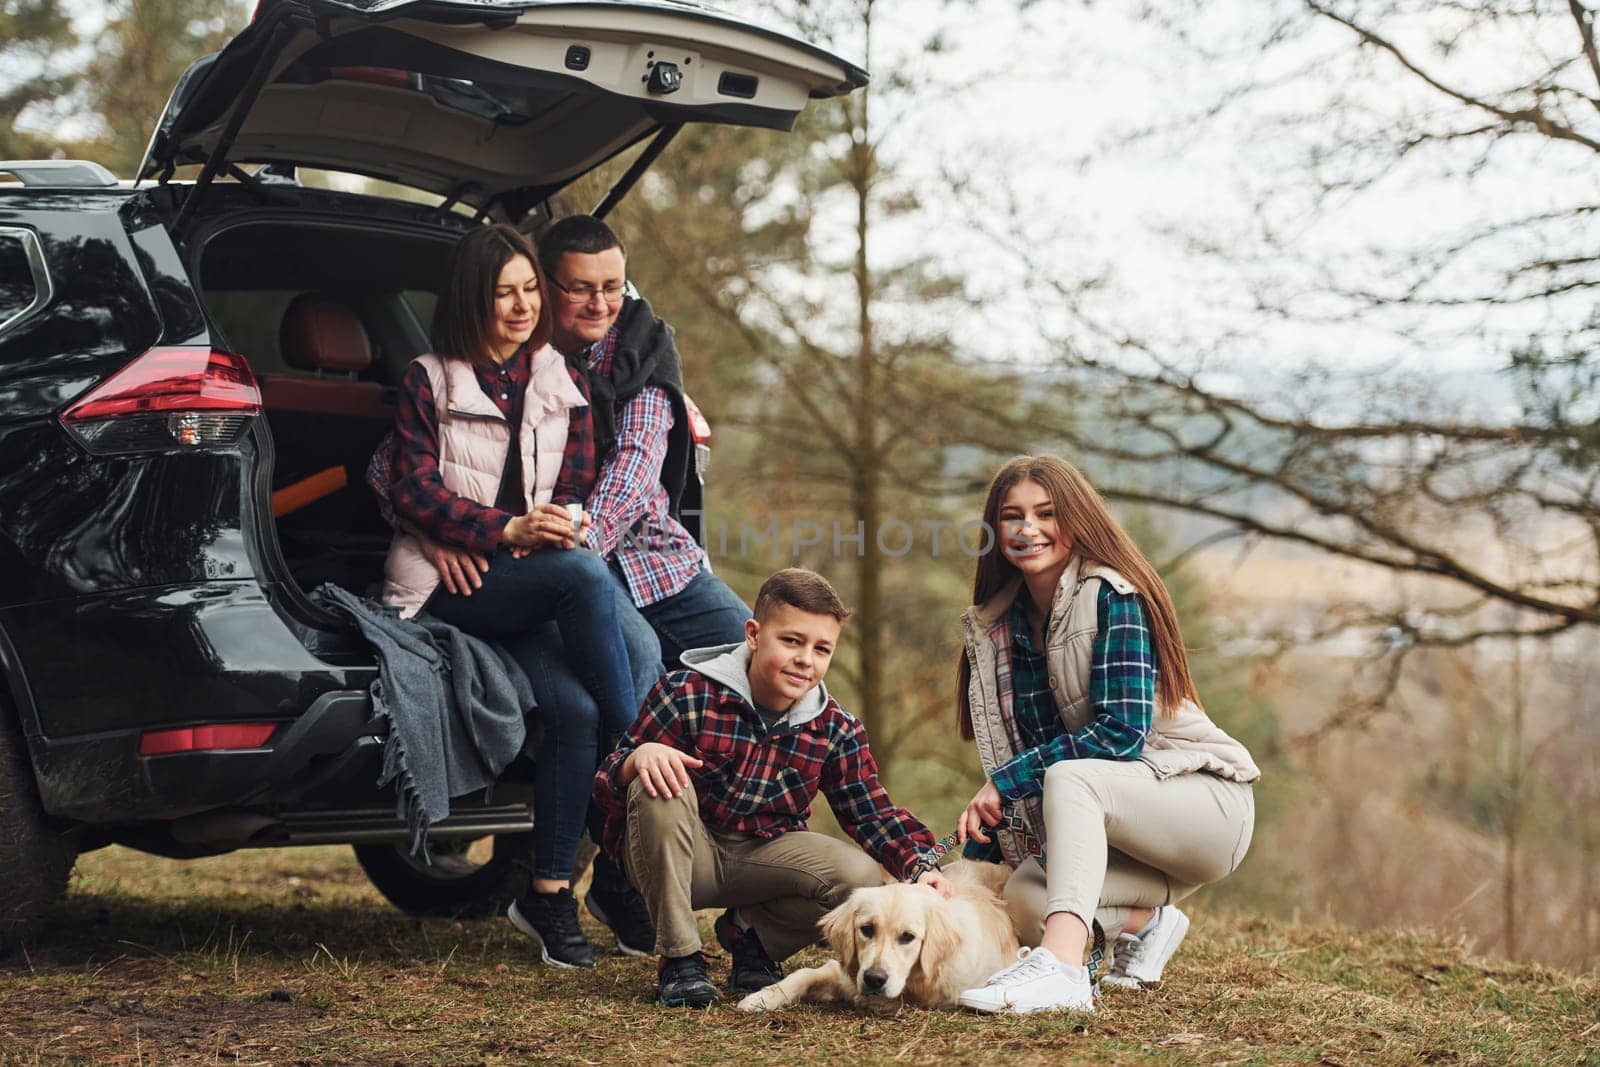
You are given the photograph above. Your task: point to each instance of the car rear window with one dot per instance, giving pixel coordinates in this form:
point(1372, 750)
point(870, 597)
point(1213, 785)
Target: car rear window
point(421, 302)
point(249, 321)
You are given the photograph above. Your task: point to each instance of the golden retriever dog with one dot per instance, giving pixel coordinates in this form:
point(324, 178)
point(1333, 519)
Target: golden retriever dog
point(900, 944)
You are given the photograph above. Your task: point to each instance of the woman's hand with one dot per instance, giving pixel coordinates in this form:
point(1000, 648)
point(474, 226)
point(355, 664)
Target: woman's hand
point(546, 526)
point(982, 812)
point(460, 571)
point(936, 881)
point(663, 769)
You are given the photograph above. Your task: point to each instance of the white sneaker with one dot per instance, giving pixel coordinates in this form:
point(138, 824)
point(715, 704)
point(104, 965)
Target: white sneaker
point(1036, 982)
point(1140, 958)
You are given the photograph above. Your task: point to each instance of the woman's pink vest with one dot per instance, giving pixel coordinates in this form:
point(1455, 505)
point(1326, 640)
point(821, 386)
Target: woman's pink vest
point(473, 439)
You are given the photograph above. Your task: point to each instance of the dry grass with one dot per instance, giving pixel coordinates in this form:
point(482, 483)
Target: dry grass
point(288, 957)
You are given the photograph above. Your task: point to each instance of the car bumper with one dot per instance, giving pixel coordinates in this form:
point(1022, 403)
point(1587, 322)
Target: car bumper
point(104, 780)
point(96, 674)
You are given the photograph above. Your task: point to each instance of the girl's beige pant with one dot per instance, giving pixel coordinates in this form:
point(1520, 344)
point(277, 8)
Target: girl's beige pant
point(1117, 837)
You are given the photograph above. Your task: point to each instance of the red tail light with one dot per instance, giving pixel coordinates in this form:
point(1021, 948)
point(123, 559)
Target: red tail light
point(174, 398)
point(216, 737)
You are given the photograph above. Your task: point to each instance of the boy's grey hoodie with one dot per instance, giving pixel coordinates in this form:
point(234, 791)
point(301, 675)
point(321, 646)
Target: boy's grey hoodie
point(729, 665)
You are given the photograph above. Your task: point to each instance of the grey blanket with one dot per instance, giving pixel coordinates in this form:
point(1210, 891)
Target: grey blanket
point(457, 707)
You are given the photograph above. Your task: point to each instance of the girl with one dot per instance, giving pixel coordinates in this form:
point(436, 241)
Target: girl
point(492, 438)
point(1107, 785)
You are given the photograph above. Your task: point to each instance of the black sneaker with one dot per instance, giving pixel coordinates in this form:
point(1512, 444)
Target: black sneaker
point(684, 982)
point(551, 919)
point(753, 969)
point(623, 910)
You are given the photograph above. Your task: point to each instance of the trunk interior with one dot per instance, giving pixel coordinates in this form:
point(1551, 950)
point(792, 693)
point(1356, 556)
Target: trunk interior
point(329, 314)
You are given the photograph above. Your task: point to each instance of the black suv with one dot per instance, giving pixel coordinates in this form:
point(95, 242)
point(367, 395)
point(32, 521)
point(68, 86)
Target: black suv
point(183, 430)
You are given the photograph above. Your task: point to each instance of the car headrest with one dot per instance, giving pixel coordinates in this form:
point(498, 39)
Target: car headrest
point(321, 333)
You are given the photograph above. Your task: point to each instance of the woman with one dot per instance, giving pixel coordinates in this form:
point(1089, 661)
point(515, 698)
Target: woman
point(492, 439)
point(1108, 787)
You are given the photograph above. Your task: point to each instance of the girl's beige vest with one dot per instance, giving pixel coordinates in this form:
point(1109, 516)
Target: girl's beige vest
point(1183, 741)
point(473, 440)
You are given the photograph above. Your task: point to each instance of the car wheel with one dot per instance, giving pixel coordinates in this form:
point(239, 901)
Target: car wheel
point(35, 853)
point(456, 880)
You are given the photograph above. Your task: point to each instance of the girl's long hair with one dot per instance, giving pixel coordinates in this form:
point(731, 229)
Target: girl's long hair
point(463, 321)
point(1097, 537)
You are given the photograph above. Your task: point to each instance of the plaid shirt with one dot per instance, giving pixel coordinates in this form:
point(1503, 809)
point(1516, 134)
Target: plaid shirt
point(1122, 687)
point(762, 782)
point(406, 478)
point(630, 514)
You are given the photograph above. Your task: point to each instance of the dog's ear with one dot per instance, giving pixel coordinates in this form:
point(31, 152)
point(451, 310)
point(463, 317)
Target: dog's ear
point(939, 942)
point(839, 929)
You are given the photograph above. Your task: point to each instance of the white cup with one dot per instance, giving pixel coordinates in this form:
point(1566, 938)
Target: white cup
point(575, 513)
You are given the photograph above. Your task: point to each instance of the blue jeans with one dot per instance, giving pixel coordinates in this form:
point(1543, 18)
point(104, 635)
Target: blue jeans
point(575, 739)
point(644, 645)
point(701, 614)
point(558, 615)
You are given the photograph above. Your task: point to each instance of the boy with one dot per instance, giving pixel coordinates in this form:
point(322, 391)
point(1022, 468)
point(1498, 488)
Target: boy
point(707, 797)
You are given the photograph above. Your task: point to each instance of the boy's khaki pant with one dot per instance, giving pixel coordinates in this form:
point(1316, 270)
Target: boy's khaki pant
point(784, 885)
point(1117, 838)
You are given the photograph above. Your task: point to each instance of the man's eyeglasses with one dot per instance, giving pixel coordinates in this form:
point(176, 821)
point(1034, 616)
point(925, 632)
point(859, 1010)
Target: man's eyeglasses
point(582, 294)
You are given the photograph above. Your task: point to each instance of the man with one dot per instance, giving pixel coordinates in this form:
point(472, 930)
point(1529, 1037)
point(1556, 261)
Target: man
point(642, 439)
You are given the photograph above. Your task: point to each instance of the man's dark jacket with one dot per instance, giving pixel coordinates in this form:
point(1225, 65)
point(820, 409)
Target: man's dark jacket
point(645, 355)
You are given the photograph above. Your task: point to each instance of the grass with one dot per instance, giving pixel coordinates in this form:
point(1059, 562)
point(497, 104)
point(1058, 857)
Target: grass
point(288, 957)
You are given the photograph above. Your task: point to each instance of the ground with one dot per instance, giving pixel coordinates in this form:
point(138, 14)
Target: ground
point(288, 957)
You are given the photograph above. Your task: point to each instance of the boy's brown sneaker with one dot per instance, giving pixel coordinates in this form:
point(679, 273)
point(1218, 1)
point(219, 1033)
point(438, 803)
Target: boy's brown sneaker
point(753, 969)
point(684, 982)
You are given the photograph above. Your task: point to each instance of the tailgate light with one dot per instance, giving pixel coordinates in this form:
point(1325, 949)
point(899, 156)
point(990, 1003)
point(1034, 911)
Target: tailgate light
point(390, 76)
point(168, 399)
point(700, 434)
point(699, 428)
point(213, 738)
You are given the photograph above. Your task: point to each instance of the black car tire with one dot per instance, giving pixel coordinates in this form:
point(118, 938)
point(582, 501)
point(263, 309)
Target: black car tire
point(35, 855)
point(452, 885)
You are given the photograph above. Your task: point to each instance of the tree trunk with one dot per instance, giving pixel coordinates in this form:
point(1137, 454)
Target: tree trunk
point(1513, 809)
point(866, 482)
point(1587, 860)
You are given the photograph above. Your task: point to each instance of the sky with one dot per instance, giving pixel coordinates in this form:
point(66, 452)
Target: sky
point(1047, 105)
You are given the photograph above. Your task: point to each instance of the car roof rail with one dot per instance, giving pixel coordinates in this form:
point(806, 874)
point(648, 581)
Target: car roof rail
point(69, 173)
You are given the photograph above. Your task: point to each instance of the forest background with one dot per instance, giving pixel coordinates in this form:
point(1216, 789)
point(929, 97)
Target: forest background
point(1305, 287)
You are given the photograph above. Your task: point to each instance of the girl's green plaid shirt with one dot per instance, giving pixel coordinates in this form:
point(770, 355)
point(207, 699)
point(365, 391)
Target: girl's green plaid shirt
point(1122, 688)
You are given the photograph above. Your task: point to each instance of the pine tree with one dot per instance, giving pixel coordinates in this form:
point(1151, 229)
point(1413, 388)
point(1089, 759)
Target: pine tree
point(36, 39)
point(145, 46)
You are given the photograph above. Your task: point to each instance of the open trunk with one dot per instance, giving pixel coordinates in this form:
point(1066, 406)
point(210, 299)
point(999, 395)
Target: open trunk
point(495, 104)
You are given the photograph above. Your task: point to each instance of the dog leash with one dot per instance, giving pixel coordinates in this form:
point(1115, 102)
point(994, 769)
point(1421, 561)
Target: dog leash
point(944, 845)
point(1097, 954)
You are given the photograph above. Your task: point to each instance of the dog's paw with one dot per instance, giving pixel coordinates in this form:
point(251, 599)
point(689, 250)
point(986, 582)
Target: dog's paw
point(768, 999)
